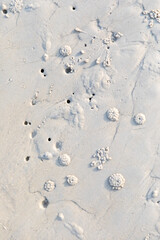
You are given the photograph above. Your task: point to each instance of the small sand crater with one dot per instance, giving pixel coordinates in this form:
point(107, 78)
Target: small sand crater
point(49, 185)
point(65, 51)
point(140, 119)
point(64, 160)
point(116, 181)
point(113, 114)
point(72, 180)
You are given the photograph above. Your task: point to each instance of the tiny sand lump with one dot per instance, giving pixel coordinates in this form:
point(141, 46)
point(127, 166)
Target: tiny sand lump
point(155, 193)
point(64, 160)
point(106, 63)
point(86, 60)
point(107, 41)
point(116, 35)
point(82, 51)
point(78, 30)
point(116, 181)
point(98, 60)
point(147, 237)
point(60, 216)
point(65, 51)
point(72, 180)
point(102, 157)
point(45, 57)
point(46, 156)
point(140, 119)
point(49, 185)
point(113, 114)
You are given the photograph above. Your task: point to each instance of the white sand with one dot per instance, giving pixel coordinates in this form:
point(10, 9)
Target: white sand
point(79, 107)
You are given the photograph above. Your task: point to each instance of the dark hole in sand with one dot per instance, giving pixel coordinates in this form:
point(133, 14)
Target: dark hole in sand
point(68, 70)
point(25, 123)
point(27, 158)
point(45, 202)
point(5, 11)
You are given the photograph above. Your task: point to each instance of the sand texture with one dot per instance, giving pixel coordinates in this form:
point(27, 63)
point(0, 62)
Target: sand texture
point(79, 107)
